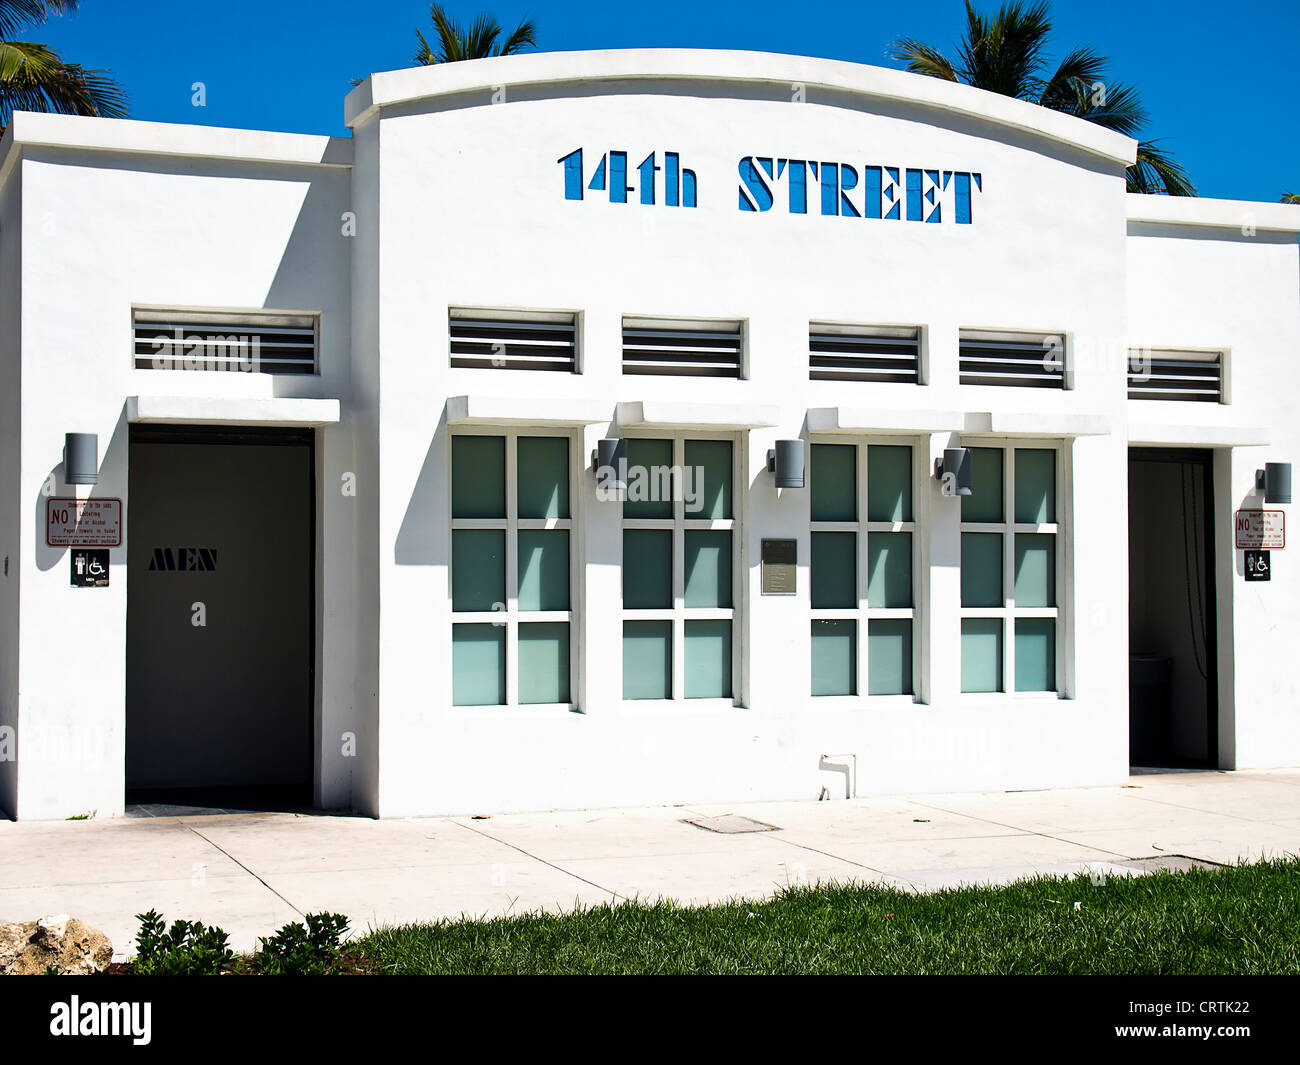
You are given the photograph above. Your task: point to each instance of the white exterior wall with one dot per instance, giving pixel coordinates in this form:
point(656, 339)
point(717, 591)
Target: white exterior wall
point(1237, 286)
point(487, 226)
point(458, 201)
point(102, 231)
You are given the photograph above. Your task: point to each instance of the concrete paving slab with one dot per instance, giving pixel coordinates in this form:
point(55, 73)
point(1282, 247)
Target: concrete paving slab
point(250, 873)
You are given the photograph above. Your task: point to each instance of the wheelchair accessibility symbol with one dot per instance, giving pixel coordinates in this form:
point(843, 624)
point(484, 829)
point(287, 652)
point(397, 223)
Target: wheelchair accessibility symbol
point(89, 567)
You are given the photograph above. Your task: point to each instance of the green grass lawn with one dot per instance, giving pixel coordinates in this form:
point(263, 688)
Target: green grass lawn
point(1237, 920)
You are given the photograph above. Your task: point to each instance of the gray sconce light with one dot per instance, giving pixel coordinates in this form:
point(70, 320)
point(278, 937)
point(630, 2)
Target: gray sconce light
point(786, 462)
point(955, 463)
point(81, 458)
point(1274, 480)
point(608, 461)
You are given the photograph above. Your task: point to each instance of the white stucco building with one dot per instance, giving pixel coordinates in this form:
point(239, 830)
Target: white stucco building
point(364, 562)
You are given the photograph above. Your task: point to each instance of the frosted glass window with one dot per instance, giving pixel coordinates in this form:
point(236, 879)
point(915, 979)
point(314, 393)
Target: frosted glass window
point(707, 659)
point(543, 569)
point(1035, 485)
point(834, 482)
point(710, 463)
point(708, 568)
point(649, 486)
point(985, 502)
point(647, 659)
point(889, 483)
point(981, 655)
point(834, 570)
point(478, 665)
point(1035, 569)
point(889, 569)
point(544, 662)
point(478, 477)
point(834, 657)
point(981, 569)
point(478, 569)
point(1035, 654)
point(543, 477)
point(647, 569)
point(889, 656)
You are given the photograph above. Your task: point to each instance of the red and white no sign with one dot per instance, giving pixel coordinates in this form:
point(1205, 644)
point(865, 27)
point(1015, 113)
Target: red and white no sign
point(1255, 529)
point(83, 522)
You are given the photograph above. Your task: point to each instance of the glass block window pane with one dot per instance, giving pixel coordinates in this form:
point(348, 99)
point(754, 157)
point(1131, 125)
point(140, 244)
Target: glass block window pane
point(981, 655)
point(1035, 654)
point(833, 470)
point(478, 569)
point(543, 477)
point(834, 657)
point(709, 463)
point(889, 569)
point(647, 659)
point(478, 665)
point(981, 569)
point(647, 568)
point(649, 479)
point(889, 483)
point(1035, 569)
point(544, 662)
point(707, 659)
point(478, 477)
point(1035, 485)
point(889, 656)
point(834, 570)
point(543, 569)
point(985, 501)
point(708, 568)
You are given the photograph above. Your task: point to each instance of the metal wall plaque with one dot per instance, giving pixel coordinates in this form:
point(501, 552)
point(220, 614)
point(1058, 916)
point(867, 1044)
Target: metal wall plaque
point(780, 565)
point(89, 567)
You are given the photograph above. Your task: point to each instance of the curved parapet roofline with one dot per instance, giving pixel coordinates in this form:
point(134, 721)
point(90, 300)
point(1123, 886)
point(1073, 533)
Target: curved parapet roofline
point(542, 70)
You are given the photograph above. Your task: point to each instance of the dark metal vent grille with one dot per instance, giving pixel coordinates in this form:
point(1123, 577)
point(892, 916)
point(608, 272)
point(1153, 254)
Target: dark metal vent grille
point(1195, 376)
point(1017, 360)
point(249, 341)
point(864, 354)
point(682, 349)
point(527, 341)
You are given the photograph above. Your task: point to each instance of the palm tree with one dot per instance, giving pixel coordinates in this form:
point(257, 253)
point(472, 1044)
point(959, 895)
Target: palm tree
point(1290, 197)
point(479, 40)
point(1006, 55)
point(34, 77)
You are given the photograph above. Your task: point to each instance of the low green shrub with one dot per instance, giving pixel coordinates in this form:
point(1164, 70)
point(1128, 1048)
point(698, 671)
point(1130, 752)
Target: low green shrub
point(188, 948)
point(298, 951)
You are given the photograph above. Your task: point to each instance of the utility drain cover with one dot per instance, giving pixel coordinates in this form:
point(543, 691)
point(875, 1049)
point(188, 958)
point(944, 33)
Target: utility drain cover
point(1170, 863)
point(729, 824)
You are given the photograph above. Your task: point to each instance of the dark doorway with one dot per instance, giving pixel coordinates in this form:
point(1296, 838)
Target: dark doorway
point(220, 617)
point(1173, 681)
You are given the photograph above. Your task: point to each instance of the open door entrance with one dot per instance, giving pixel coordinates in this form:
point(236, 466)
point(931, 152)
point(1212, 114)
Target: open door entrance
point(1173, 682)
point(219, 655)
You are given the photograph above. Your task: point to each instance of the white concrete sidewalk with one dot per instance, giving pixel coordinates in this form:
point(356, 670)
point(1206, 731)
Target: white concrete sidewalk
point(250, 873)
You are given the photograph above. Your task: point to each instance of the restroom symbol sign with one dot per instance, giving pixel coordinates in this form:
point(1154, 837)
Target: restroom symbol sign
point(1258, 566)
point(89, 567)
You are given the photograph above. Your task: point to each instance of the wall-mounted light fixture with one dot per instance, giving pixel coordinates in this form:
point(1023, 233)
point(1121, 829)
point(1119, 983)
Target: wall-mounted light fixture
point(81, 458)
point(609, 463)
point(785, 461)
point(954, 471)
point(1274, 480)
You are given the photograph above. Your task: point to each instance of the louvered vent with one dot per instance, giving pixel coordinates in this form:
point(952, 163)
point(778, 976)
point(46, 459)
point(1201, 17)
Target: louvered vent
point(248, 341)
point(682, 349)
point(1182, 375)
point(514, 340)
point(864, 353)
point(1020, 360)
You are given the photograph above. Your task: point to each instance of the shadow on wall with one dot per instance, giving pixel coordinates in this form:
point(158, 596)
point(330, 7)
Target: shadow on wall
point(112, 485)
point(422, 540)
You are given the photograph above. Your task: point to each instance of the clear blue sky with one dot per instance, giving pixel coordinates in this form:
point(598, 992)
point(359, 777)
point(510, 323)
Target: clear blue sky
point(1218, 78)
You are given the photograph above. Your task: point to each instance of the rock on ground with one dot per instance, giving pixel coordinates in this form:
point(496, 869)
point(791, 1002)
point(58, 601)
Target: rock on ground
point(67, 944)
